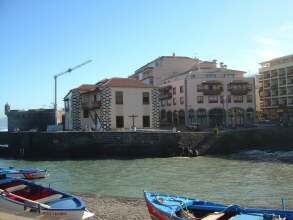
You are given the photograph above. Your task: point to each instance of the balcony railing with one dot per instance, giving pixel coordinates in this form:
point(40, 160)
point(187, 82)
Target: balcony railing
point(210, 87)
point(239, 88)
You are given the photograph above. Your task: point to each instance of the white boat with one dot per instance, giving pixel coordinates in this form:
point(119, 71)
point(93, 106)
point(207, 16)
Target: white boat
point(29, 200)
point(26, 173)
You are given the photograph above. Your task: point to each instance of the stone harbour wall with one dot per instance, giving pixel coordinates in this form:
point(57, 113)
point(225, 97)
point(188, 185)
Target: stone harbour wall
point(49, 145)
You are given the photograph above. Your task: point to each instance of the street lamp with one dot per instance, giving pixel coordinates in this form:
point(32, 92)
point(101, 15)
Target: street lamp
point(55, 80)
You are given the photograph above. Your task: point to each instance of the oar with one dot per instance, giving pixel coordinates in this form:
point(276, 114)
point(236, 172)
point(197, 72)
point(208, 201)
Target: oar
point(25, 199)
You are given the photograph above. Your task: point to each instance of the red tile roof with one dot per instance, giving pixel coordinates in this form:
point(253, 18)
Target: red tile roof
point(86, 87)
point(125, 82)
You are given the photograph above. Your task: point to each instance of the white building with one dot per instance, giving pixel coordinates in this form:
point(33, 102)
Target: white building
point(73, 108)
point(208, 95)
point(116, 104)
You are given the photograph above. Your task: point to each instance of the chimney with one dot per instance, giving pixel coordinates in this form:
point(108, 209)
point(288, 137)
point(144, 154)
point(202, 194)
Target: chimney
point(173, 54)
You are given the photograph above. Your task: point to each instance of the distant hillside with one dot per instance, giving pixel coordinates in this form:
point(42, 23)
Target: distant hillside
point(3, 123)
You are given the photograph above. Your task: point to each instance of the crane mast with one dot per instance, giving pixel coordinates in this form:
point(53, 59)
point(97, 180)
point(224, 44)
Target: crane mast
point(69, 70)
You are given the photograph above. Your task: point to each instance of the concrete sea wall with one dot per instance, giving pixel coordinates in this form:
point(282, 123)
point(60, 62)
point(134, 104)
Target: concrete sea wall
point(37, 145)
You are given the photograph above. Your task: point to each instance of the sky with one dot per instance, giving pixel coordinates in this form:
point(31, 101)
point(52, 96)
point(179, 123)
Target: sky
point(39, 39)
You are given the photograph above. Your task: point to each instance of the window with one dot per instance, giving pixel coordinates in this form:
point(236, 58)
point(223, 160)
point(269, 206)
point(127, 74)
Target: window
point(119, 97)
point(146, 121)
point(119, 122)
point(67, 106)
point(199, 87)
point(174, 101)
point(151, 81)
point(249, 98)
point(174, 91)
point(85, 113)
point(222, 99)
point(169, 102)
point(211, 76)
point(163, 103)
point(213, 99)
point(146, 98)
point(181, 89)
point(98, 98)
point(229, 99)
point(199, 99)
point(85, 99)
point(238, 98)
point(229, 75)
point(181, 100)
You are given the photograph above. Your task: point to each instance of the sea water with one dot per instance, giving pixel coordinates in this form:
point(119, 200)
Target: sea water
point(251, 178)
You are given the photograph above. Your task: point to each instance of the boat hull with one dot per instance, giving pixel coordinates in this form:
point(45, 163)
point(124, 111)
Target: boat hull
point(9, 210)
point(28, 200)
point(29, 173)
point(170, 207)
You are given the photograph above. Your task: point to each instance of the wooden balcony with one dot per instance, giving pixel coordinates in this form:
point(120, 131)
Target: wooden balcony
point(165, 92)
point(211, 87)
point(239, 88)
point(91, 105)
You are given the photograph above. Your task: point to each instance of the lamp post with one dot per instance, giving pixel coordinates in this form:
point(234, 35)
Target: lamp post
point(186, 100)
point(55, 84)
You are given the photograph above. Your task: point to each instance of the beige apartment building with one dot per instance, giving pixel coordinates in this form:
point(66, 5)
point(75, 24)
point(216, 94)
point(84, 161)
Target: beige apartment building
point(276, 77)
point(208, 95)
point(118, 104)
point(156, 71)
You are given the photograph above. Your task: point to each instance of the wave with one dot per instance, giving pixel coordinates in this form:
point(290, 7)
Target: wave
point(261, 155)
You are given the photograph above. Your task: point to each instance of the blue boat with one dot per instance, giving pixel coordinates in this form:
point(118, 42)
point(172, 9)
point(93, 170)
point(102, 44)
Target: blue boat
point(171, 207)
point(25, 173)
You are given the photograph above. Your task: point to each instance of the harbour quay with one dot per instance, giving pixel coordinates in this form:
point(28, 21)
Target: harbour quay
point(62, 145)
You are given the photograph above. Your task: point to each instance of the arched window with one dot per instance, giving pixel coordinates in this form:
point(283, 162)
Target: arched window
point(217, 117)
point(191, 117)
point(236, 117)
point(169, 117)
point(181, 117)
point(163, 115)
point(201, 117)
point(249, 116)
point(175, 117)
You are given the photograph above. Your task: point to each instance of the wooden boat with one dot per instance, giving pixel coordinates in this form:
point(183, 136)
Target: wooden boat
point(26, 199)
point(27, 173)
point(170, 207)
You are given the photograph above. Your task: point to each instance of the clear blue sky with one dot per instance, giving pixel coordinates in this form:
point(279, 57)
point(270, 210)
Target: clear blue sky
point(41, 38)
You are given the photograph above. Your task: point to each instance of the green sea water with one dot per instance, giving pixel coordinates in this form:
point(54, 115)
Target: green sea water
point(254, 178)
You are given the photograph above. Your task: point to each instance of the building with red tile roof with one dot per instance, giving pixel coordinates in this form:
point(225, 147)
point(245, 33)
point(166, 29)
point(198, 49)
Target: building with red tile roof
point(112, 104)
